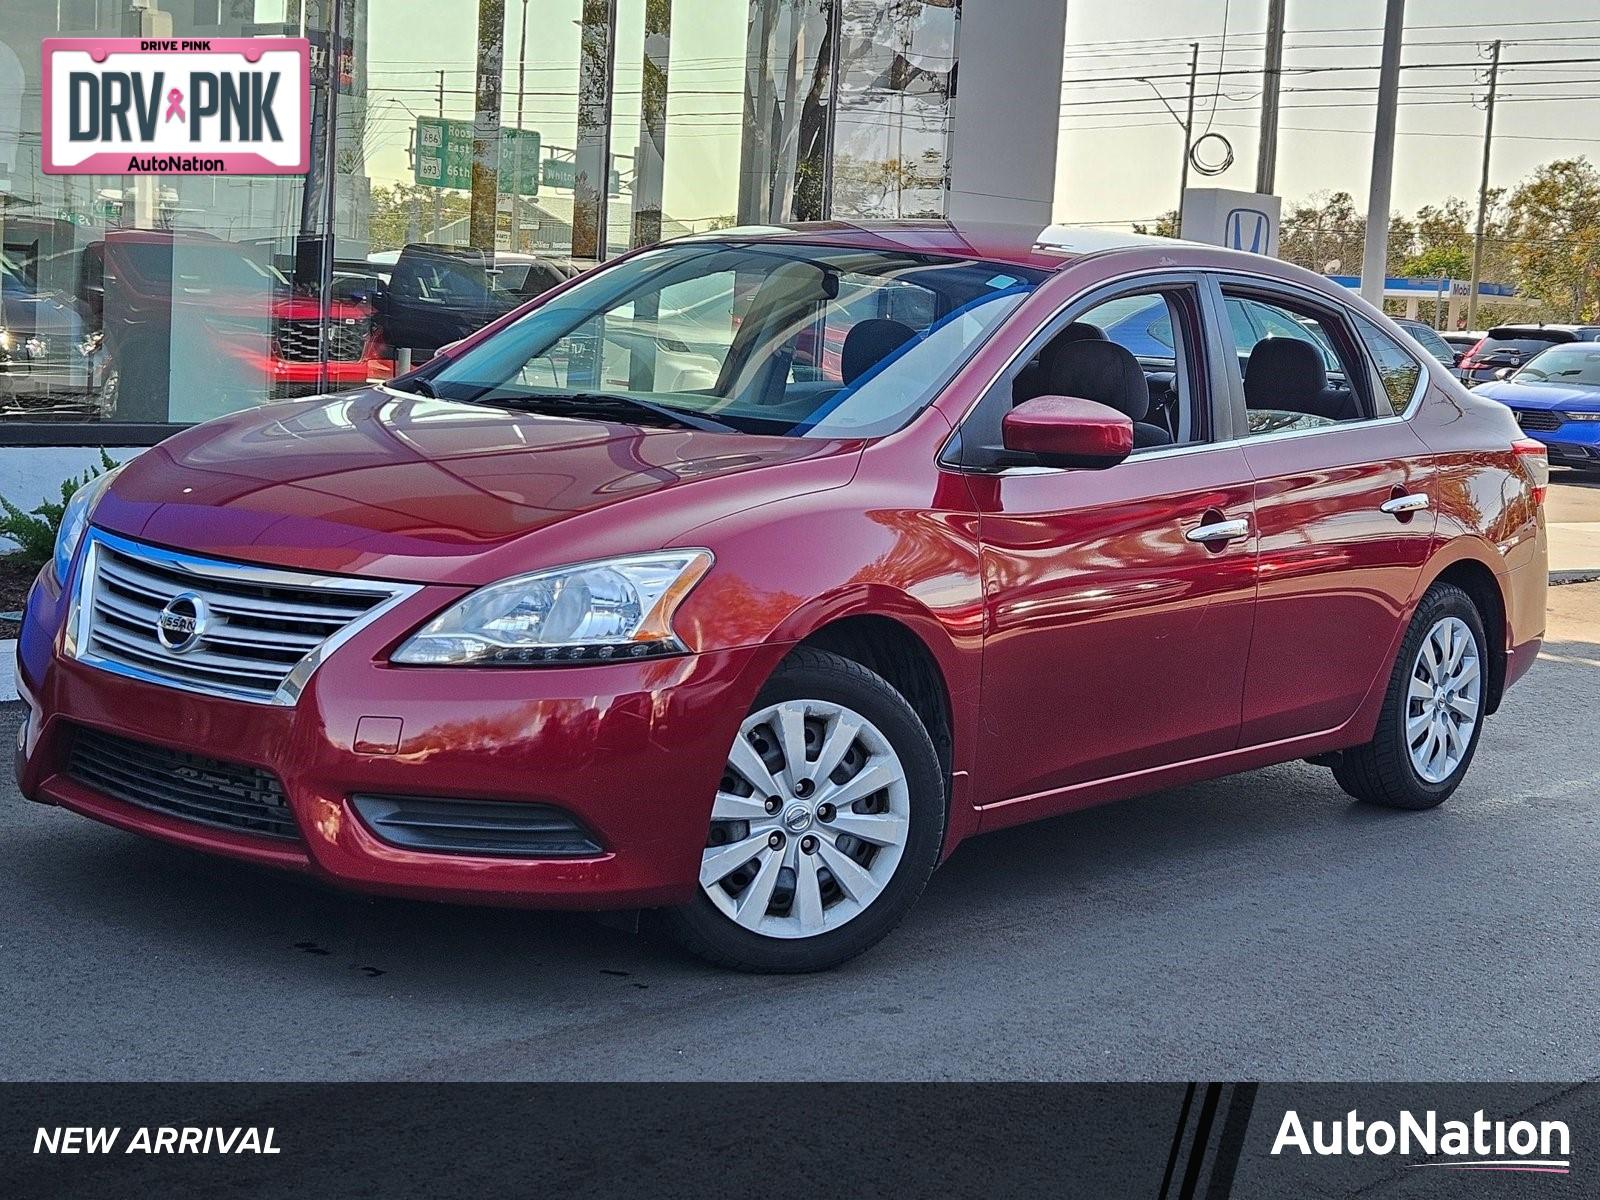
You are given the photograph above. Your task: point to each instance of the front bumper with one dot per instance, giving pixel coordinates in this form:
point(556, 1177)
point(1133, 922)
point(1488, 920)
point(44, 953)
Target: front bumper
point(1572, 443)
point(634, 751)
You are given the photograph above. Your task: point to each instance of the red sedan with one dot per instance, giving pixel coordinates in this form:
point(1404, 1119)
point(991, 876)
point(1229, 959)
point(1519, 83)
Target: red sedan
point(632, 600)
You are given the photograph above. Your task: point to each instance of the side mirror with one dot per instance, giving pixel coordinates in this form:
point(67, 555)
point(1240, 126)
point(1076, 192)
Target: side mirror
point(1505, 372)
point(1065, 431)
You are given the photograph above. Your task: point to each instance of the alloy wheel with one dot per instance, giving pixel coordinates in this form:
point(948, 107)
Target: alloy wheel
point(809, 823)
point(1443, 700)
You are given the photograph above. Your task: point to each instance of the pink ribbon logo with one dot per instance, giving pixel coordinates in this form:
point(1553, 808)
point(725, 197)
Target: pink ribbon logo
point(175, 106)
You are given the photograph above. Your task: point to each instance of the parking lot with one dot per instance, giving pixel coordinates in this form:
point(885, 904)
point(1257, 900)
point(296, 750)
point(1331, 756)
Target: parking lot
point(1261, 926)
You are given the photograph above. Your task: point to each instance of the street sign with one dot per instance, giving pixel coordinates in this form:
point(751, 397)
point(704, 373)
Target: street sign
point(442, 157)
point(563, 173)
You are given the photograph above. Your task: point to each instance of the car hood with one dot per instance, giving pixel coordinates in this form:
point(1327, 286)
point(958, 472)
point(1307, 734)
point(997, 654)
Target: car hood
point(35, 314)
point(397, 486)
point(1539, 395)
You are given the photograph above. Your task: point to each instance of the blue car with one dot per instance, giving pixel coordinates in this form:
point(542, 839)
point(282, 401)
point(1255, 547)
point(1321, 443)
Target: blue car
point(1556, 397)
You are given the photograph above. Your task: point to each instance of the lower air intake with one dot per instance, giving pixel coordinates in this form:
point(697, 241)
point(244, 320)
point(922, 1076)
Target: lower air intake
point(500, 829)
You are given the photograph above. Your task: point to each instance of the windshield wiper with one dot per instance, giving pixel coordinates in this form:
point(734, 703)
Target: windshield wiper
point(616, 403)
point(420, 387)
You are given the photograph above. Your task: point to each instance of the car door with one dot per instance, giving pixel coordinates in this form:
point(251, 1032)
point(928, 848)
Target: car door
point(1115, 640)
point(1342, 513)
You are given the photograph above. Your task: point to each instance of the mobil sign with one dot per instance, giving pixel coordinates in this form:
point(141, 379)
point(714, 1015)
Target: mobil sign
point(165, 106)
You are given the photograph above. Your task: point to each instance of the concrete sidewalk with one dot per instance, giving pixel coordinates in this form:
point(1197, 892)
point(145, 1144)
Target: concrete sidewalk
point(1574, 547)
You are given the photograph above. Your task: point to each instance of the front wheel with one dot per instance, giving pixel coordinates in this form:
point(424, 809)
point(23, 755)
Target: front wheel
point(825, 827)
point(1432, 712)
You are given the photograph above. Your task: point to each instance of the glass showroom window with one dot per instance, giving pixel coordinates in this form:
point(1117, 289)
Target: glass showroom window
point(467, 155)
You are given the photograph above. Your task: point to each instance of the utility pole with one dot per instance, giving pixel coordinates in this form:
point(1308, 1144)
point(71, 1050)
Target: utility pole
point(486, 126)
point(1188, 135)
point(1483, 188)
point(438, 216)
point(516, 164)
point(1374, 263)
point(1271, 73)
point(331, 196)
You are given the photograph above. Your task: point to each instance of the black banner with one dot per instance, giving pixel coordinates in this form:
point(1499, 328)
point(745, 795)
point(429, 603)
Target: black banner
point(1167, 1141)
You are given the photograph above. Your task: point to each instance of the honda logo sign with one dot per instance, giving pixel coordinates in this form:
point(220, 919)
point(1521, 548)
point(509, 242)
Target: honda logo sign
point(1245, 221)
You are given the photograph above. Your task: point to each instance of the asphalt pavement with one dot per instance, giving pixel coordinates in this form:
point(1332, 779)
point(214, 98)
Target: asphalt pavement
point(1262, 926)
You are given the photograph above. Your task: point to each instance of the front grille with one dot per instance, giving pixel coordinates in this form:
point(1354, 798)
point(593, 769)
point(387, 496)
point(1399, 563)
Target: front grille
point(243, 632)
point(181, 784)
point(296, 340)
point(1540, 419)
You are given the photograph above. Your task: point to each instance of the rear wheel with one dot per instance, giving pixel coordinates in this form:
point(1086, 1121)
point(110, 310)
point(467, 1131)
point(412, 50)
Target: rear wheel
point(825, 827)
point(1433, 710)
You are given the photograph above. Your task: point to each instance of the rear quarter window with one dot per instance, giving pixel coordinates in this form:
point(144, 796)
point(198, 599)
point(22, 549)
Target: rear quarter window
point(1398, 371)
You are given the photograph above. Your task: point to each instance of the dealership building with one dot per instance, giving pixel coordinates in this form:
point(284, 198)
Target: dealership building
point(135, 305)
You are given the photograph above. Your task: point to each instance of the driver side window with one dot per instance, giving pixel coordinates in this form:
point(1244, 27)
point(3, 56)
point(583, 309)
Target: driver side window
point(1139, 352)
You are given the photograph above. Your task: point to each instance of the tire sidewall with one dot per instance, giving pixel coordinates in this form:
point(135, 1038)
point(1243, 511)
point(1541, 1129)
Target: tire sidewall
point(873, 698)
point(1447, 601)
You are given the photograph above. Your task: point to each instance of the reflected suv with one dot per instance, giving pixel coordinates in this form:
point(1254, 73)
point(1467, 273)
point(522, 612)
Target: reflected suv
point(552, 622)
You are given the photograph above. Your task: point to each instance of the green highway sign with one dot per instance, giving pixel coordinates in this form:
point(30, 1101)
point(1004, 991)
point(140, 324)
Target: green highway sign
point(563, 173)
point(442, 157)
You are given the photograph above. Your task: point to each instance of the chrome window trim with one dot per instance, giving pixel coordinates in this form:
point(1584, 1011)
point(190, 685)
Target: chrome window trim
point(76, 642)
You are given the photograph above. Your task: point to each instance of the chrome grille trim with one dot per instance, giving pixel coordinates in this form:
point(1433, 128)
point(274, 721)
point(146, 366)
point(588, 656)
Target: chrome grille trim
point(299, 340)
point(267, 629)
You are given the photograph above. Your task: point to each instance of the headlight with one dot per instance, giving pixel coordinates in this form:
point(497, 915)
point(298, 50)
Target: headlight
point(1583, 416)
point(76, 519)
point(618, 609)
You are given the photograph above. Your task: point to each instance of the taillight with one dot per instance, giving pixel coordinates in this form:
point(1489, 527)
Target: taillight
point(1534, 460)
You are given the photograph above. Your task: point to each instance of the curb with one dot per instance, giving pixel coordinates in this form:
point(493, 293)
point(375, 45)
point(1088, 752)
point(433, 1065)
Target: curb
point(1586, 575)
point(8, 667)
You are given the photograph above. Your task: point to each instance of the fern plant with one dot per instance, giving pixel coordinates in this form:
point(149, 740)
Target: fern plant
point(34, 530)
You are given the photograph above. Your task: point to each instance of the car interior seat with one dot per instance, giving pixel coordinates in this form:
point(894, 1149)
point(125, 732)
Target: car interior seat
point(1287, 374)
point(869, 343)
point(1106, 373)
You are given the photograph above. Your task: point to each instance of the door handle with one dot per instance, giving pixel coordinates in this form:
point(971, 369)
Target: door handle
point(1219, 531)
point(1409, 503)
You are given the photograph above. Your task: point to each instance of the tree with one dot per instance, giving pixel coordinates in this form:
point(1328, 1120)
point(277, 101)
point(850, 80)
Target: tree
point(1325, 233)
point(403, 213)
point(1552, 237)
point(1166, 225)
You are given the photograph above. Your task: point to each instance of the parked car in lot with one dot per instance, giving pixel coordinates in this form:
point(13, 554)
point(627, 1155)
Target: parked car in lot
point(1555, 397)
point(1428, 338)
point(1462, 342)
point(236, 324)
point(51, 365)
point(537, 625)
point(439, 294)
point(1512, 345)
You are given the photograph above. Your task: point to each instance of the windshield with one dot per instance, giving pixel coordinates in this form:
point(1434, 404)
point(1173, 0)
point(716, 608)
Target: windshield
point(1512, 342)
point(805, 341)
point(1577, 364)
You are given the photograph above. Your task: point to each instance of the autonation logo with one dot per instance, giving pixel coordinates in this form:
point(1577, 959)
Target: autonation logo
point(1476, 1145)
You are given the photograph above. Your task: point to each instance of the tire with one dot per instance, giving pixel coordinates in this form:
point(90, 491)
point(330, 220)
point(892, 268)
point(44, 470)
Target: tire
point(1387, 770)
point(763, 914)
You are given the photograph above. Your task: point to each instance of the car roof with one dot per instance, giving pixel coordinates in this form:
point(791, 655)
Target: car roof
point(1049, 247)
point(1536, 331)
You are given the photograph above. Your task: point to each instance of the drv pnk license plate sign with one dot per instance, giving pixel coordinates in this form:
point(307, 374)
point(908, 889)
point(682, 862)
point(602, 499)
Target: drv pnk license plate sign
point(177, 106)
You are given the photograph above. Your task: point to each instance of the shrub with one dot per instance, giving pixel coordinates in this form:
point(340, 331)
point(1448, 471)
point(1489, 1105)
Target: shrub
point(34, 531)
